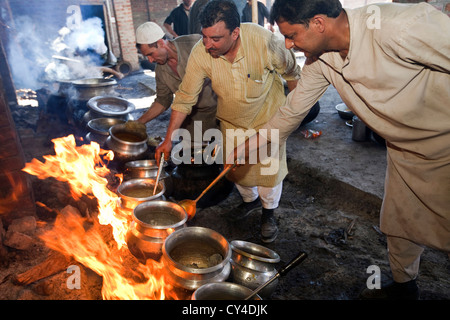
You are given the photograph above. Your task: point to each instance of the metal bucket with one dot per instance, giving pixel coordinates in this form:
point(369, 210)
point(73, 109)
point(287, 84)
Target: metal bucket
point(360, 132)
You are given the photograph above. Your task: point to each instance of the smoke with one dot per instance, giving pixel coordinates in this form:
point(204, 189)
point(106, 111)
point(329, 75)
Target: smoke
point(69, 55)
point(88, 36)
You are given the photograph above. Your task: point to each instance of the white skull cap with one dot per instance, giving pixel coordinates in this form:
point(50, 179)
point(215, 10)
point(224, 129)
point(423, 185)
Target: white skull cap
point(148, 33)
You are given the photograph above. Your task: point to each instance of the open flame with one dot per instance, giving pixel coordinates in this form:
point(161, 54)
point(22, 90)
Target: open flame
point(83, 169)
point(12, 200)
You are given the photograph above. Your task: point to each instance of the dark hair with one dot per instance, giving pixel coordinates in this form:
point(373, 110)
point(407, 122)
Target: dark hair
point(220, 10)
point(301, 11)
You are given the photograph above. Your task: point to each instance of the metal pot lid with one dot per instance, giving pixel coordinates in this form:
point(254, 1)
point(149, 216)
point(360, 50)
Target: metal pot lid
point(94, 82)
point(110, 105)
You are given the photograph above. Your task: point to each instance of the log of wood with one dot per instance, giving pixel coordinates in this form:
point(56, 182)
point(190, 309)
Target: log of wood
point(55, 263)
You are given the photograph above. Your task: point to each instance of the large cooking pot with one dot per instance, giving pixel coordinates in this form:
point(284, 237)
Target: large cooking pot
point(109, 107)
point(127, 144)
point(86, 89)
point(143, 169)
point(222, 291)
point(137, 191)
point(99, 129)
point(78, 92)
point(192, 177)
point(194, 256)
point(252, 265)
point(153, 222)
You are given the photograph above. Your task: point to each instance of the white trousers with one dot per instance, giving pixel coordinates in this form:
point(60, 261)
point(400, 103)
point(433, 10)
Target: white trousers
point(270, 196)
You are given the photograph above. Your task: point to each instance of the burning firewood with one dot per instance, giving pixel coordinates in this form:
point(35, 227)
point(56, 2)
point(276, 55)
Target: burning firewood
point(55, 263)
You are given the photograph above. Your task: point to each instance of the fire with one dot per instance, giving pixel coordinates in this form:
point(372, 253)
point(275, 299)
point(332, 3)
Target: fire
point(12, 200)
point(83, 169)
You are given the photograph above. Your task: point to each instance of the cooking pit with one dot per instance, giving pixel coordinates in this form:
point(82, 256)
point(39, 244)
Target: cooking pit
point(329, 209)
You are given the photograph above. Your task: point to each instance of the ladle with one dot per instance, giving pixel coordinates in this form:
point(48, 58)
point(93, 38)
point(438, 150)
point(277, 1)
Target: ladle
point(292, 264)
point(158, 175)
point(191, 205)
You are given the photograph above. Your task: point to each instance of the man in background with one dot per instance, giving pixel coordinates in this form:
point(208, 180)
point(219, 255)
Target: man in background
point(263, 13)
point(179, 18)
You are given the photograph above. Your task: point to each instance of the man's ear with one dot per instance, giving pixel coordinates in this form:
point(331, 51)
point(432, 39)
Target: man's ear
point(318, 22)
point(160, 43)
point(235, 33)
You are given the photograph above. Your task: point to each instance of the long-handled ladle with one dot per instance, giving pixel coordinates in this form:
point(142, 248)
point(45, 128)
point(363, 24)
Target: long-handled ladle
point(190, 206)
point(158, 175)
point(293, 263)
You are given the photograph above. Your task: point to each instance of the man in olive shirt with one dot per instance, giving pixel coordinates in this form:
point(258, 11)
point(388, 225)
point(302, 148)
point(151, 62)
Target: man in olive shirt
point(171, 57)
point(245, 63)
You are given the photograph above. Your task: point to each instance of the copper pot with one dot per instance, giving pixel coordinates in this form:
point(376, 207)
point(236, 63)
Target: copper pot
point(195, 256)
point(153, 222)
point(137, 191)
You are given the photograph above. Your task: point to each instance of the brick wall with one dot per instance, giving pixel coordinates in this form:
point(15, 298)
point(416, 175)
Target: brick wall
point(160, 9)
point(125, 27)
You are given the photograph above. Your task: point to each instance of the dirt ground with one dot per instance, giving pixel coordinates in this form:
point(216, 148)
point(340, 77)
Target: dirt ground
point(329, 209)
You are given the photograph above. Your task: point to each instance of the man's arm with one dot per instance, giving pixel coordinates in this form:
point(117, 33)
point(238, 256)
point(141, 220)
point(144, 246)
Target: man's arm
point(155, 110)
point(176, 120)
point(185, 98)
point(291, 84)
point(169, 29)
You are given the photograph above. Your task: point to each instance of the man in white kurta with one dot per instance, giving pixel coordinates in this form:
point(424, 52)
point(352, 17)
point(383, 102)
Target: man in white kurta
point(393, 72)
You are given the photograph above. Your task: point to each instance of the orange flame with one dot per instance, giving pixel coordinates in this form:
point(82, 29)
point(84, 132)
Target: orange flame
point(122, 279)
point(83, 169)
point(12, 199)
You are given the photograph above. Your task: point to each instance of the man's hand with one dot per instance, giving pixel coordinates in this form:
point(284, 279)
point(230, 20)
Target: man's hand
point(164, 147)
point(136, 126)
